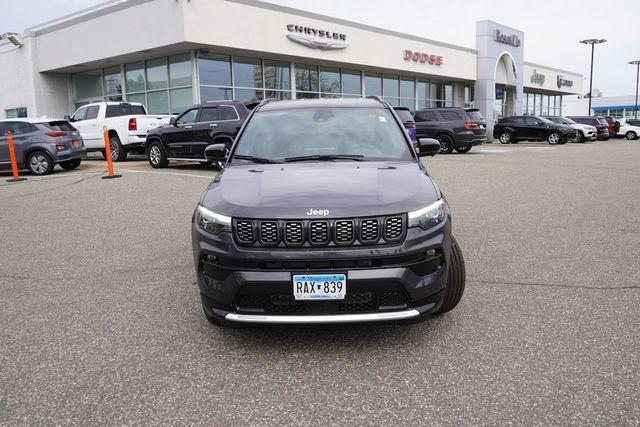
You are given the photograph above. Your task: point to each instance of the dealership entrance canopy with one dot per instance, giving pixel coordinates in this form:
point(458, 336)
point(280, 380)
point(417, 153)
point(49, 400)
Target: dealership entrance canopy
point(169, 54)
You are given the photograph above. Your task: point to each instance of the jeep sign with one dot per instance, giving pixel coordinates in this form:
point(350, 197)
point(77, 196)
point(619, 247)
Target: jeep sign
point(537, 78)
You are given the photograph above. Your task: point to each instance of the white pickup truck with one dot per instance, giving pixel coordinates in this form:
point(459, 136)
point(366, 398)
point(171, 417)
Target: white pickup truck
point(126, 122)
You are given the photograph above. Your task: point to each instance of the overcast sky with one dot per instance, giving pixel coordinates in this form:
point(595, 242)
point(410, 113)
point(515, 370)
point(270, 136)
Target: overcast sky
point(552, 27)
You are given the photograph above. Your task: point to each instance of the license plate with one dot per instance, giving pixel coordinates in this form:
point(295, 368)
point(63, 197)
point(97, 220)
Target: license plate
point(319, 286)
point(75, 143)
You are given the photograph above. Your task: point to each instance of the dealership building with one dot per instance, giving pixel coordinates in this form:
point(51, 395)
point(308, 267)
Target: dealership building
point(170, 54)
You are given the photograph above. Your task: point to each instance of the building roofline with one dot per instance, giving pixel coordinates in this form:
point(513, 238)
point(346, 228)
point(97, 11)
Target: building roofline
point(286, 9)
point(546, 67)
point(95, 11)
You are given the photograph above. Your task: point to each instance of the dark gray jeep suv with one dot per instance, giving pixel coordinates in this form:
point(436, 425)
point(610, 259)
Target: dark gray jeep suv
point(323, 213)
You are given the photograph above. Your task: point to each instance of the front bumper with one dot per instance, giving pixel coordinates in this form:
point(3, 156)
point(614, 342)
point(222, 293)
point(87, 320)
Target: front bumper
point(384, 282)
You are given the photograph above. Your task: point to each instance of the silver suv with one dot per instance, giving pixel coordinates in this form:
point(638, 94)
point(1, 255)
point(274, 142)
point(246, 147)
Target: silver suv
point(40, 144)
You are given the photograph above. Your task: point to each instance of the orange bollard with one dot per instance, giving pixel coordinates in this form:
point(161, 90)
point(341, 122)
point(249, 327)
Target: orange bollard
point(107, 154)
point(14, 162)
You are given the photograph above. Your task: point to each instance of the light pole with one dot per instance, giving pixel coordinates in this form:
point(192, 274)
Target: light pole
point(592, 42)
point(637, 64)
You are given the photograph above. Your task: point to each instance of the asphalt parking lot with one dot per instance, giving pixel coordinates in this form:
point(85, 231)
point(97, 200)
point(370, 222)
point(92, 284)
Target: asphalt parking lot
point(101, 318)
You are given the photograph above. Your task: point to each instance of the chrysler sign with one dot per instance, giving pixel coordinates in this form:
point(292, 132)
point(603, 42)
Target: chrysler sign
point(563, 82)
point(315, 38)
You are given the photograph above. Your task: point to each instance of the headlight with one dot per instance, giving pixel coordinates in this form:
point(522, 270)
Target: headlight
point(428, 216)
point(212, 222)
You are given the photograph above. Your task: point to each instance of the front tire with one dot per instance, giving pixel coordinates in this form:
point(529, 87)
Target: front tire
point(456, 280)
point(155, 155)
point(463, 149)
point(118, 152)
point(70, 164)
point(40, 163)
point(505, 137)
point(446, 144)
point(554, 138)
point(581, 138)
point(631, 135)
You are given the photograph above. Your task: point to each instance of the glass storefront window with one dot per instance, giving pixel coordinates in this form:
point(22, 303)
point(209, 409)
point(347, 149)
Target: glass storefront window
point(277, 75)
point(247, 95)
point(373, 84)
point(448, 95)
point(156, 73)
point(329, 80)
point(306, 78)
point(158, 102)
point(307, 95)
point(423, 89)
point(87, 84)
point(180, 99)
point(214, 69)
point(180, 70)
point(351, 82)
point(276, 94)
point(138, 97)
point(407, 87)
point(390, 86)
point(538, 104)
point(215, 93)
point(112, 82)
point(247, 72)
point(134, 77)
point(407, 102)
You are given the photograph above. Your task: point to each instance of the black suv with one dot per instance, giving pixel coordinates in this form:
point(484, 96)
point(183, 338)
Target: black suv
point(187, 136)
point(533, 128)
point(454, 127)
point(599, 122)
point(323, 213)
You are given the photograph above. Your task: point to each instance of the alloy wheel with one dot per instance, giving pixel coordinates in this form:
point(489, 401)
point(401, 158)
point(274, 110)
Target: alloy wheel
point(631, 135)
point(505, 137)
point(154, 154)
point(554, 138)
point(39, 164)
point(115, 152)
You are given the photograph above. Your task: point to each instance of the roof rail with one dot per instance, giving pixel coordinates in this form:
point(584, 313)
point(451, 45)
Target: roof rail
point(378, 98)
point(265, 101)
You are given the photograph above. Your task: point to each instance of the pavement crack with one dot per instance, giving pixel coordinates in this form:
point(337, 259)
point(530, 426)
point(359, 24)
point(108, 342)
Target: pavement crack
point(554, 285)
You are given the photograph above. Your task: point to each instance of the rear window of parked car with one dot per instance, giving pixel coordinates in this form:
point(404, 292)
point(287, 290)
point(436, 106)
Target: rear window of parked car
point(15, 127)
point(228, 113)
point(475, 116)
point(61, 125)
point(124, 110)
point(405, 115)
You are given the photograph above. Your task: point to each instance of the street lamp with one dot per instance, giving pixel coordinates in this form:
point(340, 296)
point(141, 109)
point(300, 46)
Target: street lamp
point(592, 42)
point(637, 64)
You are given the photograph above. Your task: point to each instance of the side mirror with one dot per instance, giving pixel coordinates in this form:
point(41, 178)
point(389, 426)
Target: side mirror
point(428, 147)
point(173, 121)
point(216, 153)
point(68, 118)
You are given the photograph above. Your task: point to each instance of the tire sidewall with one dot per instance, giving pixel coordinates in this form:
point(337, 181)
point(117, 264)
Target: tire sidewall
point(631, 135)
point(163, 158)
point(549, 138)
point(449, 141)
point(122, 153)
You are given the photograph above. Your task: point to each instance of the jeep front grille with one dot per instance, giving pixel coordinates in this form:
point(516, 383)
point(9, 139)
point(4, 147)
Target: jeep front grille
point(341, 232)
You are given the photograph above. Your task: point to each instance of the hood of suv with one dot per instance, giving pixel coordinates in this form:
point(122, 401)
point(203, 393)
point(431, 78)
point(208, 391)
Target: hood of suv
point(320, 190)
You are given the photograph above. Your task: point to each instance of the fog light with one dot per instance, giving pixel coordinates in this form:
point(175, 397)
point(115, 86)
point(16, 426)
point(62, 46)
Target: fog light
point(431, 252)
point(212, 258)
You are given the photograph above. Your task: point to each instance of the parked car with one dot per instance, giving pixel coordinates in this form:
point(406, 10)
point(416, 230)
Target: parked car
point(632, 122)
point(312, 220)
point(585, 132)
point(187, 136)
point(127, 124)
point(454, 127)
point(628, 130)
point(599, 122)
point(407, 120)
point(533, 128)
point(40, 144)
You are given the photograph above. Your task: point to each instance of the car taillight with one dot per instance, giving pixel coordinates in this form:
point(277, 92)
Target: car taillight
point(56, 134)
point(133, 124)
point(470, 125)
point(61, 147)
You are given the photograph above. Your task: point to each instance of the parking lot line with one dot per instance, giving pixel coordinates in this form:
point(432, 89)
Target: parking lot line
point(168, 173)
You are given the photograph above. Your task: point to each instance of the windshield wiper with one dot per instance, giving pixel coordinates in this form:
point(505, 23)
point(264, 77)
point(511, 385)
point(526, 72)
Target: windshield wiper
point(254, 159)
point(323, 157)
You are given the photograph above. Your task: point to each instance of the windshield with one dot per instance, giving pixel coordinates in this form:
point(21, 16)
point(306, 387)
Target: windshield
point(545, 120)
point(568, 120)
point(363, 133)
